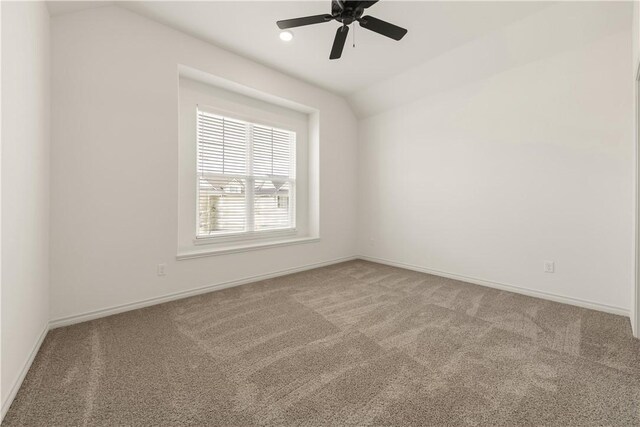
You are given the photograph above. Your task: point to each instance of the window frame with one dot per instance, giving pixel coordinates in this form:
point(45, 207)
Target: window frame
point(226, 98)
point(248, 235)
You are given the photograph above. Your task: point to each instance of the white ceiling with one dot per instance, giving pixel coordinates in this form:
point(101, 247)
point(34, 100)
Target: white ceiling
point(561, 27)
point(249, 29)
point(449, 42)
point(63, 7)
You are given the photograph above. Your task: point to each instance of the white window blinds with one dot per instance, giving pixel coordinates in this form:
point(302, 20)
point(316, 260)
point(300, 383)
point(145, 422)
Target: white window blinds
point(246, 177)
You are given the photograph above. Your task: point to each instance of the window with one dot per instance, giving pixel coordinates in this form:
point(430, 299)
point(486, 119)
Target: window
point(246, 177)
point(248, 169)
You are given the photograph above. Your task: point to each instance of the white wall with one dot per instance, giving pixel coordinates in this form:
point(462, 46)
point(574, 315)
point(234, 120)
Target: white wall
point(529, 159)
point(25, 188)
point(513, 149)
point(635, 66)
point(114, 163)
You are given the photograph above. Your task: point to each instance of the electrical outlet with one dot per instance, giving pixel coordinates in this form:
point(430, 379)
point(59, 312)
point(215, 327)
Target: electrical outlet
point(549, 266)
point(161, 271)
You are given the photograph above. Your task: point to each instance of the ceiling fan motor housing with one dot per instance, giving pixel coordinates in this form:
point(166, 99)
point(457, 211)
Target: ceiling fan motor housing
point(344, 12)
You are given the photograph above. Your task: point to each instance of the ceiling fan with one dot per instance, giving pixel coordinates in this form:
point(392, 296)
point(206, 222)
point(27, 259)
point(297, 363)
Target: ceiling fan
point(347, 12)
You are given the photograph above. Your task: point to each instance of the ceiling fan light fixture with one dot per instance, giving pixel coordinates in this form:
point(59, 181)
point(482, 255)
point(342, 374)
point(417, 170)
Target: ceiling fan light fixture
point(286, 36)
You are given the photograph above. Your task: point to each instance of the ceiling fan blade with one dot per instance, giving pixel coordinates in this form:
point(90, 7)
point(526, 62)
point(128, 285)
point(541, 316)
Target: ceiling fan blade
point(382, 27)
point(307, 20)
point(338, 42)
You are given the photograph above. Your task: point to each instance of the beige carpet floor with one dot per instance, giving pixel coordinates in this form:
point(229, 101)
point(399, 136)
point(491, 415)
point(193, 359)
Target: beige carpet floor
point(351, 344)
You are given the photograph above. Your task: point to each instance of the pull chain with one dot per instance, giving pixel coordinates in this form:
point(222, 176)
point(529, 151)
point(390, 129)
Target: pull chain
point(354, 35)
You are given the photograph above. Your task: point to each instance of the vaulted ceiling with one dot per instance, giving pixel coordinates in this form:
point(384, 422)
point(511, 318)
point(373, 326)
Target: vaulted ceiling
point(448, 41)
point(249, 28)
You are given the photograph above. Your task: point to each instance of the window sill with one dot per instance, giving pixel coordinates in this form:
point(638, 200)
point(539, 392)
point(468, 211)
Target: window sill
point(225, 240)
point(243, 247)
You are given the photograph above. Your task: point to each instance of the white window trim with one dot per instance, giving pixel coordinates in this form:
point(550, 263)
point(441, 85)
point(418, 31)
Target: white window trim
point(237, 248)
point(246, 235)
point(305, 127)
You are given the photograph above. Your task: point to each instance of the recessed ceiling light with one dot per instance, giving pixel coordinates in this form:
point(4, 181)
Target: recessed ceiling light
point(286, 36)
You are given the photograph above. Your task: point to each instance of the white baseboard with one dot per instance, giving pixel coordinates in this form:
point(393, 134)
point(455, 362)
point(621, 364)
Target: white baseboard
point(23, 373)
point(95, 314)
point(503, 286)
